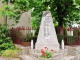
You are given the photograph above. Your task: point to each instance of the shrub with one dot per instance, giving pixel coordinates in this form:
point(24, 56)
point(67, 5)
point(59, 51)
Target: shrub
point(5, 39)
point(60, 37)
point(10, 53)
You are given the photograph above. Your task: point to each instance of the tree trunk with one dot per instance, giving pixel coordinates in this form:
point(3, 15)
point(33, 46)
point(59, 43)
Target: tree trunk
point(60, 19)
point(59, 13)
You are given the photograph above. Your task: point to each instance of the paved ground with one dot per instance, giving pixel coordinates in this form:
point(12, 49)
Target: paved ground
point(26, 56)
point(2, 58)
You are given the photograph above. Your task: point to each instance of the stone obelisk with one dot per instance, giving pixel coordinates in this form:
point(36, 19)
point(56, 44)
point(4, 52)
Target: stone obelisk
point(47, 35)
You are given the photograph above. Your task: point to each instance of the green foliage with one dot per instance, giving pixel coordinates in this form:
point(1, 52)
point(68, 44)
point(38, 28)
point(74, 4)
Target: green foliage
point(71, 40)
point(49, 54)
point(60, 37)
point(14, 10)
point(28, 38)
point(45, 53)
point(64, 12)
point(5, 39)
point(10, 53)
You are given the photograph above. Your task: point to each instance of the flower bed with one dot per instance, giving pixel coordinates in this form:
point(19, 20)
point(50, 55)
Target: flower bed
point(46, 54)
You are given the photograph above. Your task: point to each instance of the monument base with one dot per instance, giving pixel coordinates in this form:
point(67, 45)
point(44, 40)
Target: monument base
point(50, 46)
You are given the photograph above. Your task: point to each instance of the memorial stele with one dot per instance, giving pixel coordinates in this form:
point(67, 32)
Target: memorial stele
point(47, 35)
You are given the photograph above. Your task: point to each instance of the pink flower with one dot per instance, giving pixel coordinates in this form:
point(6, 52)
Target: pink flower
point(46, 53)
point(46, 48)
point(52, 50)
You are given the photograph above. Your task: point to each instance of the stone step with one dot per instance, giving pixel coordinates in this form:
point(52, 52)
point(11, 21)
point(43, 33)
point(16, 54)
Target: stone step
point(69, 58)
point(61, 55)
point(24, 50)
point(28, 57)
point(2, 58)
point(10, 58)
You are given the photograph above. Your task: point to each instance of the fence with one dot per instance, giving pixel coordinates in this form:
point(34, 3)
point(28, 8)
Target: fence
point(19, 34)
point(71, 36)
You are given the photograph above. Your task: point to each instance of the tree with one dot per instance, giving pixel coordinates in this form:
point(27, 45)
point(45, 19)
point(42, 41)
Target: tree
point(5, 39)
point(63, 11)
point(14, 8)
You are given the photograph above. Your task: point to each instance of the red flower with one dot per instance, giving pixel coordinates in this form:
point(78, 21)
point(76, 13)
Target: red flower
point(44, 54)
point(42, 51)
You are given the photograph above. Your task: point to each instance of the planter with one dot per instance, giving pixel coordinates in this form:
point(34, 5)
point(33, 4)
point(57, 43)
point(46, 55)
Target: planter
point(44, 58)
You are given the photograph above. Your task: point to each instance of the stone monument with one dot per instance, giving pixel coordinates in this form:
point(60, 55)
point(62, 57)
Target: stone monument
point(47, 34)
point(25, 20)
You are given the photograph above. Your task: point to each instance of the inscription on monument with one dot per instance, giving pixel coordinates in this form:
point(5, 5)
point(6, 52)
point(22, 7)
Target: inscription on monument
point(47, 28)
